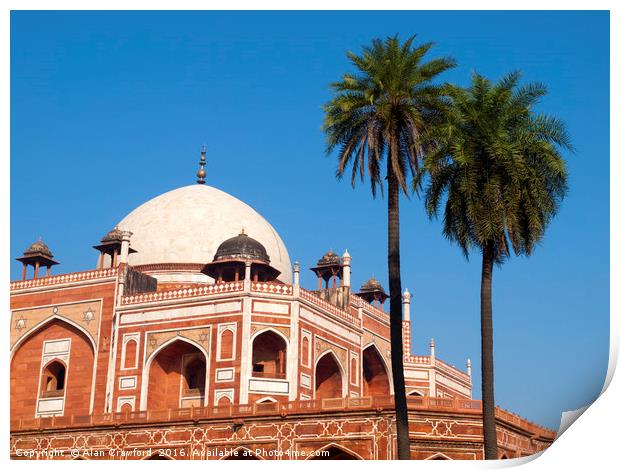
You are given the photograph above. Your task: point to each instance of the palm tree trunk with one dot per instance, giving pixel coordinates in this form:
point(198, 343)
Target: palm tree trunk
point(486, 326)
point(396, 317)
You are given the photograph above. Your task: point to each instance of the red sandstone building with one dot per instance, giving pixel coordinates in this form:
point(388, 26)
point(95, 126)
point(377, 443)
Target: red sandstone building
point(193, 339)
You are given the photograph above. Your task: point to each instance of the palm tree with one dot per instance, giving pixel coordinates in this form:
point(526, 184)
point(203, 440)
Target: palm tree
point(387, 109)
point(499, 175)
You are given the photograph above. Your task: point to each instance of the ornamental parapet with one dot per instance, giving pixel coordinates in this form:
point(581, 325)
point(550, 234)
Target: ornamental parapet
point(417, 360)
point(58, 279)
point(512, 418)
point(338, 312)
point(450, 369)
point(358, 302)
point(185, 293)
point(271, 288)
point(278, 409)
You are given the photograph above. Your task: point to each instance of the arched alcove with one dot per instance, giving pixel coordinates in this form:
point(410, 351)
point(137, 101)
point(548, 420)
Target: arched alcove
point(227, 344)
point(27, 382)
point(305, 350)
point(269, 356)
point(376, 380)
point(177, 377)
point(53, 379)
point(130, 354)
point(329, 381)
point(224, 400)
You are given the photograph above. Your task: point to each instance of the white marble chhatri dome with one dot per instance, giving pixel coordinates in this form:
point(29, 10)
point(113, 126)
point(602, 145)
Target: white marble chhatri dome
point(187, 225)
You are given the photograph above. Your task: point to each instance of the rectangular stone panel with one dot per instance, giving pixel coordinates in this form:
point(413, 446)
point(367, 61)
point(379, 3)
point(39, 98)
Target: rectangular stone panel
point(268, 386)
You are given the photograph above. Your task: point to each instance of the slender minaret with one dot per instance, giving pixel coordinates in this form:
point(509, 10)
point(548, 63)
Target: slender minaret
point(407, 305)
point(203, 161)
point(407, 322)
point(296, 273)
point(296, 278)
point(124, 255)
point(432, 347)
point(469, 367)
point(346, 269)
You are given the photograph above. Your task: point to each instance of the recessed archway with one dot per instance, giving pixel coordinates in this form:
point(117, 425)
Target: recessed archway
point(53, 379)
point(328, 381)
point(376, 380)
point(269, 355)
point(31, 381)
point(177, 376)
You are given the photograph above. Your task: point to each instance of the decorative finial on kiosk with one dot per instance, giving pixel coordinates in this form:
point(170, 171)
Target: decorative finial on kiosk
point(203, 161)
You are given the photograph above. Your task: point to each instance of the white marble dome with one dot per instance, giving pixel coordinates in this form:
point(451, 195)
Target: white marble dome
point(188, 224)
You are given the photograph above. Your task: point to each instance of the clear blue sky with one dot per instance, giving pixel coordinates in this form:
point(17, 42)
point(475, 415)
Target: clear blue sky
point(110, 109)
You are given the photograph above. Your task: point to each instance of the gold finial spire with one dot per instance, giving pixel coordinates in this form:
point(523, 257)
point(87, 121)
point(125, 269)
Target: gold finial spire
point(203, 161)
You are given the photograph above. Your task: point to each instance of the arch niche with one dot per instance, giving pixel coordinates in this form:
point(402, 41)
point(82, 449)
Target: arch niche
point(329, 379)
point(177, 376)
point(376, 381)
point(269, 355)
point(30, 381)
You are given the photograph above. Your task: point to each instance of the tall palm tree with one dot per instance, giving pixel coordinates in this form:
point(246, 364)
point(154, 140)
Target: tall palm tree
point(380, 115)
point(499, 175)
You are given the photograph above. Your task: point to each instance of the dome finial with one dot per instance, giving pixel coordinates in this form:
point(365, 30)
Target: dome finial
point(203, 161)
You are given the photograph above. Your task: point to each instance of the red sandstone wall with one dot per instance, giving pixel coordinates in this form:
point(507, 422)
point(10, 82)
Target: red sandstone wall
point(105, 292)
point(26, 369)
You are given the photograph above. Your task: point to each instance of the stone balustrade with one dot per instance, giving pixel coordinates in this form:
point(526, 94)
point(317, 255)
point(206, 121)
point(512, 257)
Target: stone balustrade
point(185, 293)
point(299, 407)
point(325, 305)
point(57, 279)
point(271, 288)
point(358, 302)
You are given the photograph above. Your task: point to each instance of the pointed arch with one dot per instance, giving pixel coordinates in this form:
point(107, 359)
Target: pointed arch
point(146, 372)
point(384, 362)
point(375, 380)
point(266, 400)
point(438, 456)
point(53, 379)
point(224, 400)
point(130, 354)
point(227, 344)
point(415, 393)
point(329, 376)
point(43, 323)
point(34, 351)
point(269, 354)
point(305, 350)
point(337, 452)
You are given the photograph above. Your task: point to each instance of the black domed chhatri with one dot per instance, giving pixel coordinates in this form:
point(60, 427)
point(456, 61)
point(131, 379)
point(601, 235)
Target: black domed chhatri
point(371, 285)
point(113, 235)
point(241, 247)
point(328, 267)
point(39, 248)
point(232, 257)
point(38, 254)
point(372, 291)
point(329, 259)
